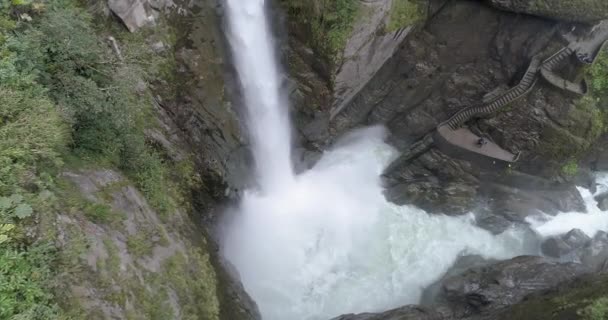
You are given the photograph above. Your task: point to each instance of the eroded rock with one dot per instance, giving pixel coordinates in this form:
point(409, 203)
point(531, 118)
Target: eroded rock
point(130, 250)
point(506, 283)
point(595, 253)
point(560, 246)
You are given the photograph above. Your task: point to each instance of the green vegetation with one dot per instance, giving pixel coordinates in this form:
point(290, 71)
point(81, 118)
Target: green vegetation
point(597, 310)
point(585, 298)
point(24, 280)
point(140, 244)
point(65, 95)
point(588, 120)
point(598, 76)
point(328, 23)
point(188, 275)
point(195, 290)
point(101, 213)
point(113, 262)
point(404, 13)
point(570, 168)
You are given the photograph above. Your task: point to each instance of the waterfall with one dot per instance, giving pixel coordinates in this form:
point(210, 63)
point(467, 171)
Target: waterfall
point(268, 124)
point(326, 242)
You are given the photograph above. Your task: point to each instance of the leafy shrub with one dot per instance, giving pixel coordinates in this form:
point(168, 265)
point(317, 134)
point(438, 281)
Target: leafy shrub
point(24, 280)
point(598, 310)
point(404, 13)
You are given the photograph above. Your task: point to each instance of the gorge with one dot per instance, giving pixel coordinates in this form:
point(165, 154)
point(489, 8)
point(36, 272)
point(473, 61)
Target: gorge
point(304, 160)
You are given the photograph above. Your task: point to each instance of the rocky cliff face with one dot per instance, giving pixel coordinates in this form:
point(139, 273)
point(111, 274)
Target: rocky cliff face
point(156, 267)
point(580, 11)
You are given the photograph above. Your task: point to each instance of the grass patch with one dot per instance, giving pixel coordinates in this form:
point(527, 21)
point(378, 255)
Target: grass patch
point(113, 262)
point(101, 213)
point(194, 281)
point(597, 310)
point(404, 13)
point(570, 168)
point(140, 244)
point(326, 23)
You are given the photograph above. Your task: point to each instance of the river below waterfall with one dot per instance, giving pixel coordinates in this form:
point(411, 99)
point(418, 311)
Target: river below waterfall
point(330, 243)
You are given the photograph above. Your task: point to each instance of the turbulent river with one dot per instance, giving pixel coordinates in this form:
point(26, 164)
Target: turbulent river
point(326, 242)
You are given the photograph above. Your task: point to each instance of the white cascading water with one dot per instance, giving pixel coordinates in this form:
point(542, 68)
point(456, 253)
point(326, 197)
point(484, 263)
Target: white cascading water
point(268, 122)
point(326, 242)
point(591, 222)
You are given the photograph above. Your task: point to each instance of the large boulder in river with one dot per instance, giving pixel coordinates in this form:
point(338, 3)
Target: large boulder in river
point(562, 245)
point(595, 254)
point(506, 283)
point(569, 10)
point(577, 246)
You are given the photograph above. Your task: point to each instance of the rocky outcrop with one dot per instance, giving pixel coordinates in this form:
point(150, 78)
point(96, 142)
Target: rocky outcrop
point(577, 246)
point(377, 32)
point(194, 95)
point(569, 10)
point(580, 299)
point(132, 13)
point(561, 246)
point(595, 253)
point(485, 289)
point(331, 62)
point(129, 259)
point(138, 13)
point(498, 290)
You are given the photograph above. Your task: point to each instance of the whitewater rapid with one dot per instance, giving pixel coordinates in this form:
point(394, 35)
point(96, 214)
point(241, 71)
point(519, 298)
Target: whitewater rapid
point(326, 242)
point(590, 222)
point(330, 243)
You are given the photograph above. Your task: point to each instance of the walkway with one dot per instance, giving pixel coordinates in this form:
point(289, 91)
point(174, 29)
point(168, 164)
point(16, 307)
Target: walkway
point(454, 140)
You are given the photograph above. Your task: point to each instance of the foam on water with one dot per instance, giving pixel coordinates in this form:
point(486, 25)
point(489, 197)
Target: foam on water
point(591, 222)
point(331, 244)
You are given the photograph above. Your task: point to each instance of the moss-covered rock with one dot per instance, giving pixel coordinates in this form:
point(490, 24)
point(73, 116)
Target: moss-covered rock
point(137, 267)
point(344, 43)
point(582, 299)
point(405, 13)
point(569, 10)
point(324, 25)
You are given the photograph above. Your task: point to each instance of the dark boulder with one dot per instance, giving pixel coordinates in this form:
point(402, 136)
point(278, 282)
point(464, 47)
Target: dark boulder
point(602, 201)
point(560, 246)
point(595, 254)
point(493, 287)
point(429, 295)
